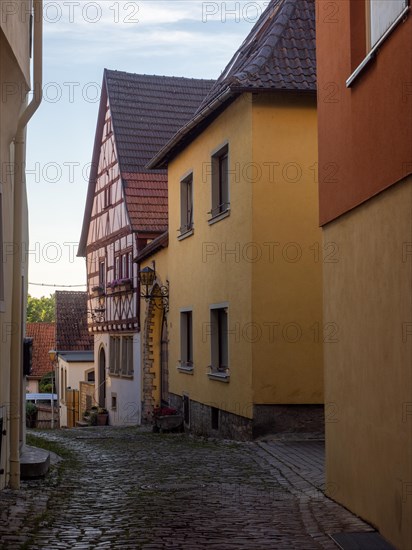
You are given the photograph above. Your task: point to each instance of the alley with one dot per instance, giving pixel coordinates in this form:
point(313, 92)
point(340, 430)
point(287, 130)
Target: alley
point(129, 488)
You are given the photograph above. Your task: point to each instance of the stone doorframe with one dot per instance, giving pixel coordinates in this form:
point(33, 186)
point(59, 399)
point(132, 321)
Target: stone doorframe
point(151, 354)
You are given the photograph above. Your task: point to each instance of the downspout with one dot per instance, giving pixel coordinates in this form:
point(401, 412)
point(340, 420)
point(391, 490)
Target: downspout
point(16, 377)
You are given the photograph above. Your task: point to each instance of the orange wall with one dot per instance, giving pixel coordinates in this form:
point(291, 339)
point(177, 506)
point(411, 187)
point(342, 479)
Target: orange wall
point(366, 130)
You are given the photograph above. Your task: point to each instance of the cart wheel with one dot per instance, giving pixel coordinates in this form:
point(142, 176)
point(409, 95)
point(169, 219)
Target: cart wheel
point(155, 429)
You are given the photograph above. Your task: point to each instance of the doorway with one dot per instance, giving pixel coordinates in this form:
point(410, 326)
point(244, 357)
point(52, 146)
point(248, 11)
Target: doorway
point(102, 378)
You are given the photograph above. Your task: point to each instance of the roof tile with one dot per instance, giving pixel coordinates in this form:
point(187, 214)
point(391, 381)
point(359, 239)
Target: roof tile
point(44, 340)
point(71, 322)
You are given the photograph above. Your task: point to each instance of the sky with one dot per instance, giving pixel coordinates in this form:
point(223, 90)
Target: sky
point(183, 38)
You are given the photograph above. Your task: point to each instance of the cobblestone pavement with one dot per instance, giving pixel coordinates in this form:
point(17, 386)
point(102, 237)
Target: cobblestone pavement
point(130, 489)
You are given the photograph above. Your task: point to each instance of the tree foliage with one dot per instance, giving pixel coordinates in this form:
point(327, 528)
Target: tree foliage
point(47, 382)
point(41, 310)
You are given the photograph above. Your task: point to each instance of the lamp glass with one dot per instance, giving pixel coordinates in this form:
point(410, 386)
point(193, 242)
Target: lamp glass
point(147, 276)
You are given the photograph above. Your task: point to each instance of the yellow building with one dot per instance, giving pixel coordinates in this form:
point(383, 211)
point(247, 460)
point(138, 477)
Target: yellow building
point(15, 47)
point(244, 256)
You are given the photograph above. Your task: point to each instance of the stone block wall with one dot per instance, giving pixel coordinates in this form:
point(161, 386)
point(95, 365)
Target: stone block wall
point(205, 420)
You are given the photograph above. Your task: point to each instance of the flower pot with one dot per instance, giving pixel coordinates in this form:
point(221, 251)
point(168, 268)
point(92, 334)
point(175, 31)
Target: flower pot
point(102, 419)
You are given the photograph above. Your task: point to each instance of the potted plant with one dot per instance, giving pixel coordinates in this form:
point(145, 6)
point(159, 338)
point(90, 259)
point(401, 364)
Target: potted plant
point(98, 290)
point(92, 415)
point(166, 419)
point(31, 414)
point(102, 416)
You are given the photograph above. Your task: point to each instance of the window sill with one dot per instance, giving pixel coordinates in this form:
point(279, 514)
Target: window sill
point(371, 55)
point(219, 217)
point(186, 369)
point(186, 234)
point(117, 375)
point(219, 376)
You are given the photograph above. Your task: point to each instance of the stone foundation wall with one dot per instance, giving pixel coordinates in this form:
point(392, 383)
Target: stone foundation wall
point(271, 419)
point(230, 426)
point(268, 419)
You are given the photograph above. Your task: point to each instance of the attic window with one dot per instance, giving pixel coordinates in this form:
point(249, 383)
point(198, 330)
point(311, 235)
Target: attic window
point(107, 196)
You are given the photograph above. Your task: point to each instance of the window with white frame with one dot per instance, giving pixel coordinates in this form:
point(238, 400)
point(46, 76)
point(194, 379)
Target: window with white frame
point(219, 339)
point(89, 375)
point(381, 15)
point(186, 339)
point(220, 181)
point(186, 204)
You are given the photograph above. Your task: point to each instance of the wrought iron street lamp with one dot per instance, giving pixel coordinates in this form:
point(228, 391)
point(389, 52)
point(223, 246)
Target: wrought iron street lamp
point(147, 277)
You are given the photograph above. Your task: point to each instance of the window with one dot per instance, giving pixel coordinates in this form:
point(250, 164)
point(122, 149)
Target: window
point(382, 14)
point(121, 356)
point(125, 266)
point(370, 21)
point(186, 340)
point(90, 376)
point(114, 366)
point(129, 265)
point(107, 195)
point(114, 401)
point(220, 182)
point(117, 268)
point(219, 339)
point(1, 252)
point(102, 273)
point(127, 355)
point(186, 204)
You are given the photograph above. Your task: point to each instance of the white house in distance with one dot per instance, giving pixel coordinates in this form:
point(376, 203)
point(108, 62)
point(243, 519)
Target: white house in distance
point(126, 208)
point(73, 368)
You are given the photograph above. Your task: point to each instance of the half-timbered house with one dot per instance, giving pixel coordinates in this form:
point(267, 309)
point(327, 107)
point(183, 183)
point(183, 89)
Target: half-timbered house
point(126, 208)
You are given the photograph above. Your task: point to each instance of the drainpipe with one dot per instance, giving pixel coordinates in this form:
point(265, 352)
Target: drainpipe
point(16, 377)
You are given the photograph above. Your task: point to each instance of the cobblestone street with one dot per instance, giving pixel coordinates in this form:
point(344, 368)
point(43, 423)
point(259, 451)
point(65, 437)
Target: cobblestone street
point(129, 488)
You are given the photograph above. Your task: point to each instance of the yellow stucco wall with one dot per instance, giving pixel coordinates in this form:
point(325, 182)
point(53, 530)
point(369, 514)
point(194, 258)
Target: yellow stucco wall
point(239, 261)
point(368, 371)
point(286, 252)
point(203, 272)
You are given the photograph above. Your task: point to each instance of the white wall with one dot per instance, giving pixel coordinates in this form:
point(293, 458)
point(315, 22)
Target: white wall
point(127, 390)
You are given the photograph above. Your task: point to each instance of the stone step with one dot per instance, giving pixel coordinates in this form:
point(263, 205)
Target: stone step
point(34, 462)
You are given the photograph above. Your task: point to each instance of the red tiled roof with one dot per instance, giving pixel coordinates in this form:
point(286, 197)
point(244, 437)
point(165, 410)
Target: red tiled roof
point(146, 199)
point(71, 322)
point(147, 110)
point(279, 54)
point(162, 241)
point(43, 335)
